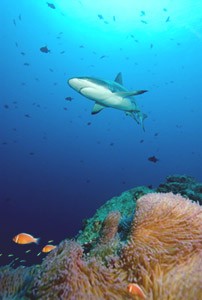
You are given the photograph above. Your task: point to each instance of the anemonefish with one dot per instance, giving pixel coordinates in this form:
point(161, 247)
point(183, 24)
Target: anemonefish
point(48, 248)
point(135, 289)
point(25, 238)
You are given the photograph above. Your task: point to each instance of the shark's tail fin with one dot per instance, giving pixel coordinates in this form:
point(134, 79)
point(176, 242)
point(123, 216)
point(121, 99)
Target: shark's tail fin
point(142, 118)
point(138, 116)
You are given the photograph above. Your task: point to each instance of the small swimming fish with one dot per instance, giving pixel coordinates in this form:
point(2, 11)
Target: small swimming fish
point(44, 49)
point(69, 98)
point(51, 5)
point(100, 17)
point(153, 158)
point(134, 289)
point(25, 238)
point(48, 248)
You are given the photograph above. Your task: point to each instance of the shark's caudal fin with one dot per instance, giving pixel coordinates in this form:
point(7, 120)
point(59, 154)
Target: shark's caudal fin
point(138, 117)
point(118, 78)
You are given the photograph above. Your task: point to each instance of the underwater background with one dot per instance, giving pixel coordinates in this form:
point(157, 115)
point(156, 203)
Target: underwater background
point(58, 162)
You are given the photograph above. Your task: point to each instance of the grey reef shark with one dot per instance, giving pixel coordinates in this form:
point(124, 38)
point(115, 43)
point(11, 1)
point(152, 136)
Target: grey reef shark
point(109, 94)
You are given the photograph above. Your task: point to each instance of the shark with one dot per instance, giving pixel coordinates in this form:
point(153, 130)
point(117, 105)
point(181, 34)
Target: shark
point(107, 93)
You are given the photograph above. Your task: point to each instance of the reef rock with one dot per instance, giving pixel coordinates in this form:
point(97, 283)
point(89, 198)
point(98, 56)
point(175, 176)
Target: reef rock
point(152, 239)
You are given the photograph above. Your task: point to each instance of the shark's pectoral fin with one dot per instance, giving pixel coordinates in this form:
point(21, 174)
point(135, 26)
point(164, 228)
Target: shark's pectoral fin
point(141, 92)
point(97, 108)
point(129, 94)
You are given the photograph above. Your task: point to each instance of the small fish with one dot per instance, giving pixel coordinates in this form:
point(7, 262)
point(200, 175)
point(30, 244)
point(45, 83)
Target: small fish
point(103, 56)
point(25, 238)
point(142, 13)
point(69, 98)
point(39, 254)
point(51, 5)
point(19, 17)
point(144, 22)
point(26, 64)
point(48, 248)
point(27, 116)
point(168, 19)
point(62, 52)
point(114, 18)
point(135, 289)
point(14, 22)
point(153, 159)
point(44, 49)
point(22, 53)
point(50, 241)
point(10, 255)
point(27, 251)
point(100, 17)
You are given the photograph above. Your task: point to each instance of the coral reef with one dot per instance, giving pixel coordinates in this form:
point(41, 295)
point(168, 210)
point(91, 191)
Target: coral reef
point(152, 239)
point(184, 185)
point(125, 204)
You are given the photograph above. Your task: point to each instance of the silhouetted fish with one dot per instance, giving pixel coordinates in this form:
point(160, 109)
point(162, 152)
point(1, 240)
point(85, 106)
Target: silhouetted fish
point(168, 19)
point(144, 22)
point(100, 17)
point(153, 159)
point(51, 5)
point(69, 98)
point(44, 49)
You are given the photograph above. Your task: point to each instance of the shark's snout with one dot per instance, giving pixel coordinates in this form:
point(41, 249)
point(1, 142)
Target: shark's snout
point(75, 83)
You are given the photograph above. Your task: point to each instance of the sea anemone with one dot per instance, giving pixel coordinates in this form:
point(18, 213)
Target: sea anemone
point(166, 235)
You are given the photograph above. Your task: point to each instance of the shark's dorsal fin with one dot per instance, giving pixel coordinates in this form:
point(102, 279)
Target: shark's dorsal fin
point(118, 78)
point(97, 108)
point(130, 94)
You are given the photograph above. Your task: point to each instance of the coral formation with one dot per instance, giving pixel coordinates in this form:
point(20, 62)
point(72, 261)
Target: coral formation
point(184, 185)
point(153, 240)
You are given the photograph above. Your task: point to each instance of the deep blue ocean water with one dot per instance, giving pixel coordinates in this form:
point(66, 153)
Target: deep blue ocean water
point(59, 163)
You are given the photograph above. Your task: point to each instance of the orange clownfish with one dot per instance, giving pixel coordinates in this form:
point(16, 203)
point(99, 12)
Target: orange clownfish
point(48, 248)
point(25, 238)
point(134, 289)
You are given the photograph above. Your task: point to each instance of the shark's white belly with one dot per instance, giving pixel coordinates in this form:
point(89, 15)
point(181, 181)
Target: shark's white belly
point(106, 98)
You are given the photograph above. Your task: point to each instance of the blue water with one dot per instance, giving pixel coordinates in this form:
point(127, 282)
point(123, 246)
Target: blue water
point(59, 163)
